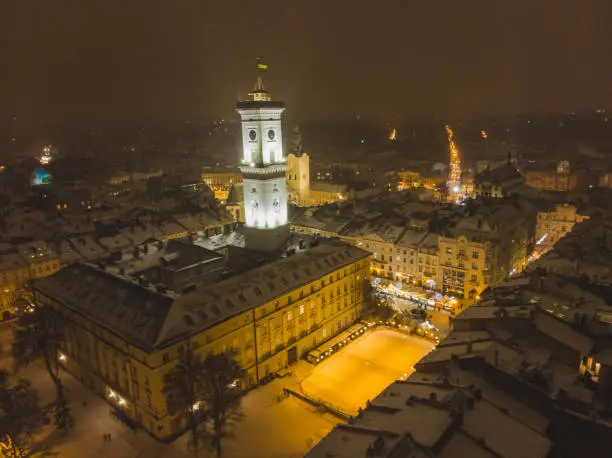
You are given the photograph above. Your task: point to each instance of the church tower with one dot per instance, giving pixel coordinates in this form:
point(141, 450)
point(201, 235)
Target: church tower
point(263, 170)
point(298, 171)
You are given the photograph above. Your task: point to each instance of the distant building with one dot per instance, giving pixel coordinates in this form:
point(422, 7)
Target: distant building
point(18, 266)
point(428, 262)
point(583, 253)
point(555, 223)
point(560, 178)
point(483, 248)
point(305, 193)
point(220, 181)
point(298, 178)
point(235, 202)
point(405, 267)
point(498, 182)
point(377, 236)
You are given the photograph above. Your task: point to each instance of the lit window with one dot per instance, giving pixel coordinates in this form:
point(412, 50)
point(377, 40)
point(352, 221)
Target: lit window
point(301, 309)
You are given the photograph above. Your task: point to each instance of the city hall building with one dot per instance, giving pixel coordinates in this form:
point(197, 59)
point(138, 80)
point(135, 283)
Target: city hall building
point(273, 301)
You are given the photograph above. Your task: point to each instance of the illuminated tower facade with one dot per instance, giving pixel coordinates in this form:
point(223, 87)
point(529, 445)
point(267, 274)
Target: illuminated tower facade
point(454, 171)
point(263, 170)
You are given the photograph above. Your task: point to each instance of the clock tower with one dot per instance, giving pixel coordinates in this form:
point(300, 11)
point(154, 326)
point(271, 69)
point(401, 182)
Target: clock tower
point(263, 170)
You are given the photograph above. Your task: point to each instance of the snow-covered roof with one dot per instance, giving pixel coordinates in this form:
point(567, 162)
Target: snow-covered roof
point(36, 251)
point(216, 242)
point(411, 239)
point(347, 441)
point(563, 333)
point(151, 319)
point(173, 255)
point(10, 261)
point(211, 304)
point(198, 222)
point(138, 234)
point(67, 253)
point(440, 420)
point(430, 242)
point(124, 307)
point(114, 242)
point(87, 247)
point(170, 228)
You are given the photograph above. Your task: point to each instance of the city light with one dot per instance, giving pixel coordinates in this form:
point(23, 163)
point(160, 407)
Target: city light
point(454, 172)
point(393, 135)
point(45, 156)
point(62, 357)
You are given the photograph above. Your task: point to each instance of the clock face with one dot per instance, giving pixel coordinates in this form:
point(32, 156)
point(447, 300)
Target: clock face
point(252, 135)
point(271, 134)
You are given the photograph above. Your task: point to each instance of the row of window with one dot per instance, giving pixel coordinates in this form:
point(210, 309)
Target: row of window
point(461, 253)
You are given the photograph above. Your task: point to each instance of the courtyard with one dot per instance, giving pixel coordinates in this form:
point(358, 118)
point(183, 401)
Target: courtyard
point(273, 426)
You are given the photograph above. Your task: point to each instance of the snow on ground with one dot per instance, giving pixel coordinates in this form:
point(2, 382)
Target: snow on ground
point(363, 369)
point(273, 426)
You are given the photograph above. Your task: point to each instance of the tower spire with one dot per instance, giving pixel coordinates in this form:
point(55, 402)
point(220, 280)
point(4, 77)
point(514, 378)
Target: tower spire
point(260, 93)
point(263, 169)
point(259, 85)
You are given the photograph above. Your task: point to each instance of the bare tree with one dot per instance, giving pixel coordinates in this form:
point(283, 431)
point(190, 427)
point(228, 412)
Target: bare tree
point(376, 304)
point(39, 336)
point(181, 385)
point(220, 395)
point(20, 416)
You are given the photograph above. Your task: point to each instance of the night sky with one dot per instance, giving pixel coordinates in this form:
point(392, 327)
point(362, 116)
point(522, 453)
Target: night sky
point(67, 61)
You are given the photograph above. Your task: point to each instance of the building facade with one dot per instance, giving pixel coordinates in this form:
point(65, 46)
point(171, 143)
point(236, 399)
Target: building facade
point(405, 266)
point(220, 181)
point(483, 249)
point(550, 180)
point(556, 223)
point(124, 336)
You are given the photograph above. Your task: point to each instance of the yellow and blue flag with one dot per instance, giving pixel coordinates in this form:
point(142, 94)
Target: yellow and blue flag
point(261, 65)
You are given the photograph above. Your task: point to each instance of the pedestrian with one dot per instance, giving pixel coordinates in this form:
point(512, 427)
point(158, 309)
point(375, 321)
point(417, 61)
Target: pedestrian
point(109, 437)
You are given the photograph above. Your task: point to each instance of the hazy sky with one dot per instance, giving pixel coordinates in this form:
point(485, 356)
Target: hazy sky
point(80, 60)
